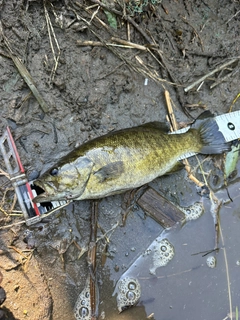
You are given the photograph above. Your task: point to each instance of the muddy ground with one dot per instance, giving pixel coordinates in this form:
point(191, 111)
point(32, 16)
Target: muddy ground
point(89, 90)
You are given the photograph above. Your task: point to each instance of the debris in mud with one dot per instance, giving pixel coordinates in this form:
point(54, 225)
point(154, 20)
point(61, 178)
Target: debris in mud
point(160, 209)
point(87, 304)
point(165, 212)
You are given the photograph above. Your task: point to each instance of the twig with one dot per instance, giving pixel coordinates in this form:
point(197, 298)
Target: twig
point(4, 173)
point(3, 211)
point(51, 31)
point(108, 74)
point(12, 225)
point(210, 74)
point(14, 203)
point(190, 175)
point(227, 273)
point(234, 100)
point(195, 31)
point(92, 260)
point(147, 73)
point(90, 43)
point(233, 16)
point(105, 234)
point(18, 251)
point(226, 77)
point(170, 111)
point(24, 73)
point(128, 43)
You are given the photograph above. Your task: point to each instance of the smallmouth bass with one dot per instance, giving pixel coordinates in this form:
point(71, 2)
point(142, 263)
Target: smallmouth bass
point(126, 159)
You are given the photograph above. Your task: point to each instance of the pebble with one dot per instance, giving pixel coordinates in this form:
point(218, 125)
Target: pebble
point(33, 175)
point(2, 295)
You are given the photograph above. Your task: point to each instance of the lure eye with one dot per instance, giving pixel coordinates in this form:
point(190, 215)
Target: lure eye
point(54, 172)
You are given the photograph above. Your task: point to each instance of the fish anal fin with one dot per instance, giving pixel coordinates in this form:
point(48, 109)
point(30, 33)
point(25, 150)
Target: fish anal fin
point(177, 167)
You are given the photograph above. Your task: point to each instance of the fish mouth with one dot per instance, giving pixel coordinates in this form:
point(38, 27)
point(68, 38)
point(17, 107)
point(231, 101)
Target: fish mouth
point(42, 194)
point(42, 198)
point(46, 192)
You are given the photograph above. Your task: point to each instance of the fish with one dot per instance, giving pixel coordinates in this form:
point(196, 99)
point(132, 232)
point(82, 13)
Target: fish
point(126, 159)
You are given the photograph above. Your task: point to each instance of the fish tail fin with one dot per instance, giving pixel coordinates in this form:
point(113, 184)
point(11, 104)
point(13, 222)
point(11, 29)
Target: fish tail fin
point(213, 141)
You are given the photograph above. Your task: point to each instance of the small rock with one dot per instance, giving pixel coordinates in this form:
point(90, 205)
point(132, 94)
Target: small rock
point(2, 295)
point(33, 175)
point(2, 315)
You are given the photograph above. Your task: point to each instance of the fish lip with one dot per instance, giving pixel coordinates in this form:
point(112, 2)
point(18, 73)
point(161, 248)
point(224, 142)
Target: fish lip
point(42, 197)
point(39, 183)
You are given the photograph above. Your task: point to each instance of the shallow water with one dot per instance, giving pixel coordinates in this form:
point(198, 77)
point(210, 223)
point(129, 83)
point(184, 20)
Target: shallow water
point(186, 288)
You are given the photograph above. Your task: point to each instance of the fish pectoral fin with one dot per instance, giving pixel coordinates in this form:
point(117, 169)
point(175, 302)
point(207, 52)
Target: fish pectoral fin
point(110, 171)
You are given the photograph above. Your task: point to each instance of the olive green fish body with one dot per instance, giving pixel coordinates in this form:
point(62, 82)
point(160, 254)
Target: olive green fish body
point(125, 159)
point(132, 158)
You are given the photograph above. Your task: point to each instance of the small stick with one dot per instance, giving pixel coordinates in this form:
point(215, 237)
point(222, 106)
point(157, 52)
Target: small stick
point(18, 251)
point(92, 250)
point(51, 30)
point(233, 16)
point(94, 14)
point(4, 173)
point(210, 74)
point(14, 203)
point(230, 74)
point(128, 43)
point(3, 211)
point(108, 74)
point(234, 100)
point(190, 175)
point(90, 43)
point(128, 32)
point(125, 44)
point(170, 111)
point(227, 272)
point(195, 31)
point(169, 121)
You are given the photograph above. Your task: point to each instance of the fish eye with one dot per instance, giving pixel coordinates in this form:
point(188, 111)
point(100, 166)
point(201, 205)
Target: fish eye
point(54, 172)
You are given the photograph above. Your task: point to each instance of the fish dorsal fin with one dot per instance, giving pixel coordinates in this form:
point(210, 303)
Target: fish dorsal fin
point(205, 115)
point(163, 126)
point(110, 171)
